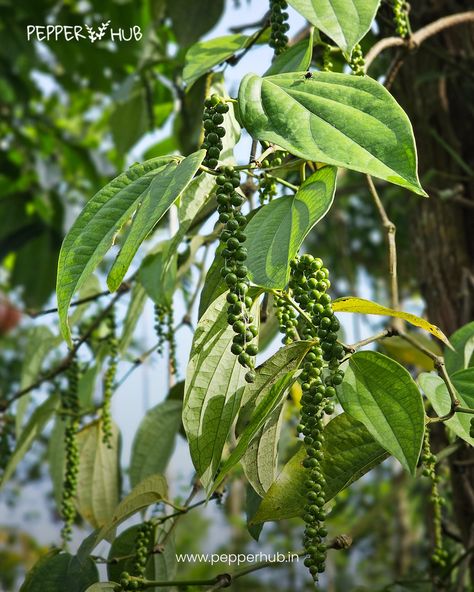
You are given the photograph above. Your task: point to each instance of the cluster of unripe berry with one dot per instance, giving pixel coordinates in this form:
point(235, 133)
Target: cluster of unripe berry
point(429, 460)
point(142, 554)
point(357, 62)
point(70, 413)
point(471, 428)
point(164, 328)
point(109, 378)
point(400, 16)
point(7, 436)
point(214, 109)
point(320, 375)
point(279, 25)
point(234, 271)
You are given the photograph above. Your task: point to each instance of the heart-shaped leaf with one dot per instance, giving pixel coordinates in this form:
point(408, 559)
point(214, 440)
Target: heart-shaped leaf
point(382, 395)
point(278, 229)
point(344, 22)
point(338, 119)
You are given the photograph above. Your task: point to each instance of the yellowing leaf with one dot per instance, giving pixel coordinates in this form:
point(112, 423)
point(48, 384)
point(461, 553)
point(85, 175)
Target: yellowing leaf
point(360, 305)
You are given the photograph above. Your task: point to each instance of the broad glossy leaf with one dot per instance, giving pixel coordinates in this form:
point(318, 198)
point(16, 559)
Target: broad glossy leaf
point(99, 475)
point(436, 391)
point(463, 343)
point(349, 453)
point(278, 229)
point(164, 190)
point(150, 491)
point(214, 285)
point(34, 427)
point(204, 55)
point(269, 402)
point(93, 232)
point(56, 455)
point(362, 306)
point(296, 58)
point(102, 587)
point(157, 433)
point(230, 123)
point(381, 394)
point(338, 119)
point(344, 22)
point(56, 572)
point(191, 20)
point(158, 283)
point(213, 389)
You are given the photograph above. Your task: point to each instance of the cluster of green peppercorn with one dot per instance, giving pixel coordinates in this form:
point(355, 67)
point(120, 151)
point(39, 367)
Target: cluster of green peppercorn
point(320, 375)
point(70, 413)
point(400, 16)
point(279, 25)
point(164, 328)
point(109, 378)
point(142, 554)
point(234, 271)
point(214, 109)
point(429, 460)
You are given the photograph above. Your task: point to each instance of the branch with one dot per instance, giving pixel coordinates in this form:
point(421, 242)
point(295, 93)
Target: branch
point(39, 313)
point(66, 361)
point(390, 229)
point(420, 36)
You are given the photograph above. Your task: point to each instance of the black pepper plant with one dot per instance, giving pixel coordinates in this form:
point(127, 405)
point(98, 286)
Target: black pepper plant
point(333, 411)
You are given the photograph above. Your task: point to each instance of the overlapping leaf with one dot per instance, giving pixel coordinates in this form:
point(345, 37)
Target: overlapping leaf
point(349, 453)
point(213, 389)
point(338, 119)
point(93, 232)
point(278, 229)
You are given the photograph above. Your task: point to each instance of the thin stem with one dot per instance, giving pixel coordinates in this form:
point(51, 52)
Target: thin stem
point(390, 229)
point(377, 337)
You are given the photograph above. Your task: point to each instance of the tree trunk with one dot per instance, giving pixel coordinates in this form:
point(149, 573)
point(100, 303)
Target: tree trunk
point(435, 85)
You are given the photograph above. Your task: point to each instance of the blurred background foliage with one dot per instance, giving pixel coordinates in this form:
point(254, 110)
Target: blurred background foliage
point(73, 116)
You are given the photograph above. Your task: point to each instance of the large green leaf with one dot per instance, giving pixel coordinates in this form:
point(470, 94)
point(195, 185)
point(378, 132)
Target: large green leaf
point(98, 478)
point(93, 232)
point(362, 306)
point(462, 355)
point(344, 22)
point(204, 55)
point(381, 394)
point(278, 229)
point(56, 456)
point(160, 283)
point(270, 401)
point(213, 389)
point(150, 491)
point(32, 430)
point(338, 119)
point(349, 453)
point(56, 572)
point(260, 456)
point(191, 20)
point(134, 312)
point(156, 432)
point(435, 389)
point(164, 190)
point(296, 58)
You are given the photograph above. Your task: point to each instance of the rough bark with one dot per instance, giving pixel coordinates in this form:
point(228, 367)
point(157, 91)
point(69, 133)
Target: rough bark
point(435, 85)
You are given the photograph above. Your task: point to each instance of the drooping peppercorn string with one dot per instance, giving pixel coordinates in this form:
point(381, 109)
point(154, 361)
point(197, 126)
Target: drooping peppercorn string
point(357, 61)
point(309, 282)
point(235, 272)
point(279, 25)
point(164, 328)
point(109, 378)
point(70, 413)
point(429, 460)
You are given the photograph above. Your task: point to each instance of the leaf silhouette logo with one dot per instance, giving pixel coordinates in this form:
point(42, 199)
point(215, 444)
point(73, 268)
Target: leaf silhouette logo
point(99, 34)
